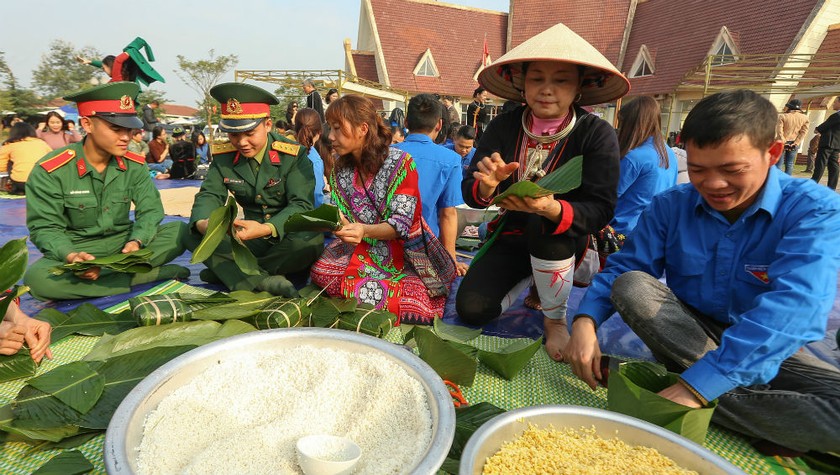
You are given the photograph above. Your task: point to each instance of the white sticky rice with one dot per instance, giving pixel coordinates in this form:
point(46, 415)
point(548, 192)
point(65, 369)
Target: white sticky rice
point(245, 414)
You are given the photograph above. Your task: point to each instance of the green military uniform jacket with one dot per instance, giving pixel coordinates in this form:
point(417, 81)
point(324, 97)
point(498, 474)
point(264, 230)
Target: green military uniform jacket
point(68, 202)
point(285, 184)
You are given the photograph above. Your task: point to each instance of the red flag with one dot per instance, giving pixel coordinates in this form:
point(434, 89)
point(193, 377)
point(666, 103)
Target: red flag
point(485, 58)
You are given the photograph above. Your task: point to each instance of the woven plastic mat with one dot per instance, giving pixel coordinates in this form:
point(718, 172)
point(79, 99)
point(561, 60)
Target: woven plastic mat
point(542, 381)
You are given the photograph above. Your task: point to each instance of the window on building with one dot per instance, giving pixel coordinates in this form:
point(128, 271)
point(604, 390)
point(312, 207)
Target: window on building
point(643, 65)
point(426, 66)
point(724, 48)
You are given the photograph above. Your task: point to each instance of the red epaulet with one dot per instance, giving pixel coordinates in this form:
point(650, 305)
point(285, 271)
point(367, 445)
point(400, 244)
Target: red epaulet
point(135, 157)
point(58, 161)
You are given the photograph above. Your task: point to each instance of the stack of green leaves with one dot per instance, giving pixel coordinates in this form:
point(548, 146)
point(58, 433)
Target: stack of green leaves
point(170, 308)
point(13, 259)
point(633, 391)
point(219, 225)
point(467, 420)
point(80, 397)
point(84, 320)
point(447, 350)
point(136, 262)
point(562, 180)
point(324, 218)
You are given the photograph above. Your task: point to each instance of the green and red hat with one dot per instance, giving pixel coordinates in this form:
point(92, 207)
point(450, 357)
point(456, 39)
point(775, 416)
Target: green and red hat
point(243, 106)
point(112, 102)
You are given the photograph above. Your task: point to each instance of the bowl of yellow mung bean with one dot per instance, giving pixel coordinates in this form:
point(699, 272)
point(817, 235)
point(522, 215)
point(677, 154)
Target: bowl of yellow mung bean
point(583, 440)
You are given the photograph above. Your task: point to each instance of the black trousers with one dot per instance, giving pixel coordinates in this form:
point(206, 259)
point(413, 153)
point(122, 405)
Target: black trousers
point(505, 264)
point(827, 157)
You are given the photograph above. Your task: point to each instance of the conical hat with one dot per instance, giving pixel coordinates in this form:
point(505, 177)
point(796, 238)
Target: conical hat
point(601, 83)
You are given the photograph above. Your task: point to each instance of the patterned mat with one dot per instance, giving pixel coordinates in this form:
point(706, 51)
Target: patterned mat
point(542, 381)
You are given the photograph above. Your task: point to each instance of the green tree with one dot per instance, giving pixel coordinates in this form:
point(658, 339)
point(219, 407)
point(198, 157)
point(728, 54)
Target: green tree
point(202, 75)
point(60, 74)
point(13, 97)
point(286, 94)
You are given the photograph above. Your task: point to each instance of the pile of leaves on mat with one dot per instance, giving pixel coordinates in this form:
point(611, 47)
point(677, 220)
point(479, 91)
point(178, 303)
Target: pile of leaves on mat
point(136, 262)
point(74, 402)
point(447, 350)
point(264, 311)
point(467, 420)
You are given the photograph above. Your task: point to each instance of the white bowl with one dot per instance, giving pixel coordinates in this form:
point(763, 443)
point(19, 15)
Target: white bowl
point(327, 455)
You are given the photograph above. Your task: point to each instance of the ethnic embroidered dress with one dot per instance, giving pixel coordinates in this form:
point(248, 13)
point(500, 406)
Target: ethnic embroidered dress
point(378, 272)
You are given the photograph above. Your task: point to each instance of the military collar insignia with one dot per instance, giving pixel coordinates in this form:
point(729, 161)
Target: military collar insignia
point(233, 106)
point(274, 157)
point(120, 163)
point(82, 167)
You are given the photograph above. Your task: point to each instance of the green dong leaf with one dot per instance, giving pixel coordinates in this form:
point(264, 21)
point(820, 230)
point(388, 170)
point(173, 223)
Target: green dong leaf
point(325, 218)
point(510, 360)
point(457, 333)
point(449, 362)
point(13, 259)
point(16, 366)
point(218, 226)
point(86, 319)
point(66, 463)
point(74, 384)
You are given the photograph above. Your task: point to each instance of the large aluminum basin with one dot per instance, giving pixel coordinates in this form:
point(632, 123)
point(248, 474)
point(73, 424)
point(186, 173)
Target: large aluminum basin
point(488, 439)
point(125, 431)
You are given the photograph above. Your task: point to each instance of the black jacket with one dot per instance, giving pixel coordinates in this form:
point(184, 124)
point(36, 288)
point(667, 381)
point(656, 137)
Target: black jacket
point(830, 132)
point(593, 202)
point(149, 119)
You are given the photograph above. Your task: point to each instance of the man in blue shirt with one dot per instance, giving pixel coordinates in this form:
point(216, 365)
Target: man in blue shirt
point(751, 257)
point(464, 145)
point(438, 170)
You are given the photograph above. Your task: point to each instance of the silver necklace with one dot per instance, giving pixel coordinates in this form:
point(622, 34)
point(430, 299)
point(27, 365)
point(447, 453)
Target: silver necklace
point(536, 155)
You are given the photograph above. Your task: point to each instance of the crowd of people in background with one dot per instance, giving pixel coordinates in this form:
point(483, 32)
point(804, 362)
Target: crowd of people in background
point(397, 182)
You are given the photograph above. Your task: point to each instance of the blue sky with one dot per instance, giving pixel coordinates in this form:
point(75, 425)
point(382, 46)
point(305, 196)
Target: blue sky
point(265, 34)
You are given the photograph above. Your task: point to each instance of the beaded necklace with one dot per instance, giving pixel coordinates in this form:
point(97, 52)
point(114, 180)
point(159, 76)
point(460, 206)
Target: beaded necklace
point(534, 149)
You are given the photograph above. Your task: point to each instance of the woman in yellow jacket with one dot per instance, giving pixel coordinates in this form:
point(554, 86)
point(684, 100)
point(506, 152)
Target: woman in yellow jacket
point(19, 154)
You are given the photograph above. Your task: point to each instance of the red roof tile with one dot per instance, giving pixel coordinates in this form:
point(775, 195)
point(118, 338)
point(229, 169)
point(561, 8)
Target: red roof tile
point(682, 33)
point(600, 23)
point(175, 109)
point(365, 63)
point(454, 34)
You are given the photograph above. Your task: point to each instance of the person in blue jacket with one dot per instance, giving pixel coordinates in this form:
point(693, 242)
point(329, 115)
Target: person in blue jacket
point(648, 166)
point(751, 257)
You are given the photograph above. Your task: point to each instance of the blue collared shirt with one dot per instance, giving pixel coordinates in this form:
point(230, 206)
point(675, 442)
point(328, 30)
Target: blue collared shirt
point(641, 178)
point(438, 173)
point(465, 161)
point(771, 275)
point(318, 169)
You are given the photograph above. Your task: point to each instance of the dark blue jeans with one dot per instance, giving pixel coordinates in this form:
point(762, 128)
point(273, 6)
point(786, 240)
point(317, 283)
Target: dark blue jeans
point(788, 158)
point(798, 409)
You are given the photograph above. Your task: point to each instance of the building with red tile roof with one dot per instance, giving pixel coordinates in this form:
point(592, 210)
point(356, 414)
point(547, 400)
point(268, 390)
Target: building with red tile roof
point(661, 45)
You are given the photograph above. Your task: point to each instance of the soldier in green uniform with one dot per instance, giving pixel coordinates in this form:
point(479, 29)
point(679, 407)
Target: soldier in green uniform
point(271, 178)
point(78, 199)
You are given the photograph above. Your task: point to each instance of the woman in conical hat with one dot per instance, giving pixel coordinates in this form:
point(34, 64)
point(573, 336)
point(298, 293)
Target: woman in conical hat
point(544, 239)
